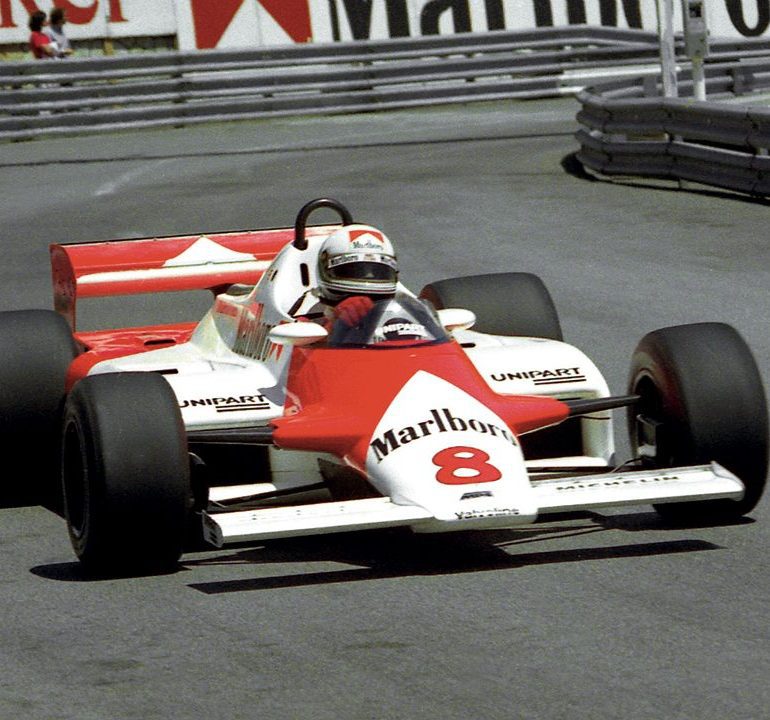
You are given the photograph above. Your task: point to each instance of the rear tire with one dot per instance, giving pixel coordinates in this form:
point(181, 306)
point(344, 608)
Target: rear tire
point(37, 348)
point(515, 304)
point(512, 305)
point(125, 474)
point(702, 400)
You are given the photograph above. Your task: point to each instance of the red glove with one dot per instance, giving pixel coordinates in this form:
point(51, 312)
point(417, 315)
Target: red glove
point(353, 309)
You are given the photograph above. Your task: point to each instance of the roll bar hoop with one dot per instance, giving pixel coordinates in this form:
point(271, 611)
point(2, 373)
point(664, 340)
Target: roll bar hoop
point(300, 241)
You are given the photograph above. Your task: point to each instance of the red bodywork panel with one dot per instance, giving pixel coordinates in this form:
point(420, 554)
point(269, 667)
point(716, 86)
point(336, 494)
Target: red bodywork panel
point(337, 396)
point(107, 344)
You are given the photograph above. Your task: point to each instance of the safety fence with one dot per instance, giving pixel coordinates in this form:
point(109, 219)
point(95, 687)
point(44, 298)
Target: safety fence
point(87, 95)
point(628, 129)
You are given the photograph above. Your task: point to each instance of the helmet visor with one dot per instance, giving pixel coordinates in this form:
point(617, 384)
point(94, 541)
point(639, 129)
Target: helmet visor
point(375, 268)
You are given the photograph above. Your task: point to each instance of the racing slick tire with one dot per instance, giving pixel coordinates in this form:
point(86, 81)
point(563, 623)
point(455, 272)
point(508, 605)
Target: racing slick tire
point(516, 304)
point(702, 400)
point(37, 348)
point(125, 474)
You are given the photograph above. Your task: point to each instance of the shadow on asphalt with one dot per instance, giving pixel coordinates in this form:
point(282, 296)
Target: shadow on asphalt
point(381, 554)
point(390, 554)
point(383, 557)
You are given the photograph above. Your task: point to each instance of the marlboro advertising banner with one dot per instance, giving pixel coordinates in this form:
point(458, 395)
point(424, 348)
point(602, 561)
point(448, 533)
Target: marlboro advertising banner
point(202, 24)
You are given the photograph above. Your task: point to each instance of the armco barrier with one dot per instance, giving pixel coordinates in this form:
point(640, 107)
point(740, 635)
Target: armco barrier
point(628, 129)
point(85, 95)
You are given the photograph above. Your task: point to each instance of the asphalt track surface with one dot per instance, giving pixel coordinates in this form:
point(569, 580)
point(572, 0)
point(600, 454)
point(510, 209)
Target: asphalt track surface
point(602, 616)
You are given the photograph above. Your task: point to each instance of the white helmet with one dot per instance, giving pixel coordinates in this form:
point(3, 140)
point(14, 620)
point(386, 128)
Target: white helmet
point(356, 260)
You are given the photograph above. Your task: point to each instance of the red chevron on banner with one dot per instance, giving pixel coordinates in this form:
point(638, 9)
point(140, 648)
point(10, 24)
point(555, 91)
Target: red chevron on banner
point(211, 18)
point(293, 16)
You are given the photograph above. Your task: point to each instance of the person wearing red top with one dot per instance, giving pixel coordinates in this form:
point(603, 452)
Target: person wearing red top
point(40, 45)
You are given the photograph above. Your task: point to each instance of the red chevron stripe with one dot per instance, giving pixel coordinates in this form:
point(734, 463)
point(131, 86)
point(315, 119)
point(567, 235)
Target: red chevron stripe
point(211, 18)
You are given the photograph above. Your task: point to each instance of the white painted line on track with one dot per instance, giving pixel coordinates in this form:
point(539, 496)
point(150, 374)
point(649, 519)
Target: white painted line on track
point(126, 178)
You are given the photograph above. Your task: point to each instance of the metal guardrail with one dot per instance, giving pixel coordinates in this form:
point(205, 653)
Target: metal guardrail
point(86, 95)
point(628, 129)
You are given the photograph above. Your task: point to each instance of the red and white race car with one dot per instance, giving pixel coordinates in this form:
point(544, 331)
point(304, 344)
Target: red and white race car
point(457, 408)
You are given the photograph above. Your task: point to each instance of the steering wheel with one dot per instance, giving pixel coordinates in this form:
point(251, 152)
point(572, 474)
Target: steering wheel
point(300, 241)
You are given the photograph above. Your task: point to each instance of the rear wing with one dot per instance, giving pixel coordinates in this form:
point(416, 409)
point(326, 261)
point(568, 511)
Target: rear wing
point(166, 264)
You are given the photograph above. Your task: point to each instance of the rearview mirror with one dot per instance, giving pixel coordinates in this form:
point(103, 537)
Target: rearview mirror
point(298, 333)
point(456, 318)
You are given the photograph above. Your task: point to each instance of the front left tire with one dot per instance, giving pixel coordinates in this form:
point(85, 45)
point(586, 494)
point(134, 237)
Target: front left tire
point(125, 474)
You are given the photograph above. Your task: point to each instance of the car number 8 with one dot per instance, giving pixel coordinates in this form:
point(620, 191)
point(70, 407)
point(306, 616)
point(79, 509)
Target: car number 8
point(474, 462)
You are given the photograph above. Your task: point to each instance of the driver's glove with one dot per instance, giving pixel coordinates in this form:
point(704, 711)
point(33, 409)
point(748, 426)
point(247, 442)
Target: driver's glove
point(353, 309)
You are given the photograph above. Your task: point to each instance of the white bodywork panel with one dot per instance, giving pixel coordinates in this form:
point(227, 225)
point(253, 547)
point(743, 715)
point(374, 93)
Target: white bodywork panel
point(538, 366)
point(404, 463)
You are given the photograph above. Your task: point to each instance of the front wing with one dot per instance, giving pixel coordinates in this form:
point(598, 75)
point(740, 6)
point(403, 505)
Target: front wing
point(564, 494)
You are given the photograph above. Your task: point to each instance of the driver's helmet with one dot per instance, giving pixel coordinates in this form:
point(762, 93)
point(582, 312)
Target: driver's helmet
point(356, 260)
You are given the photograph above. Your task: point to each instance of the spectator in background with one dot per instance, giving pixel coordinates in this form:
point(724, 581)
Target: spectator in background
point(55, 31)
point(40, 45)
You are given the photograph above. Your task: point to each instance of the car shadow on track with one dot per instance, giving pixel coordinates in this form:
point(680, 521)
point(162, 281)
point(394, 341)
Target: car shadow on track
point(382, 554)
point(389, 554)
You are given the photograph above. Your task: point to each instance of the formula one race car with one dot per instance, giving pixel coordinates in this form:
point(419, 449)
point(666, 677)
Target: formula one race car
point(456, 408)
